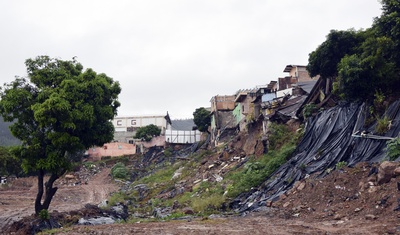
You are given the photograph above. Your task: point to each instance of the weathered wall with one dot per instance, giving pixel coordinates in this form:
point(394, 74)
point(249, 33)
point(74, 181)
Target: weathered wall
point(112, 150)
point(156, 141)
point(126, 127)
point(223, 102)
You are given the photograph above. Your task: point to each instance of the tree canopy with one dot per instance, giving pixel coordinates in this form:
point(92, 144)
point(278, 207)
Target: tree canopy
point(9, 164)
point(202, 119)
point(362, 62)
point(148, 132)
point(57, 111)
point(324, 60)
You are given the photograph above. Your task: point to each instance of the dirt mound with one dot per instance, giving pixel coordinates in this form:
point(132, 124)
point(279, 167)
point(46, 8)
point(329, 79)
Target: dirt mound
point(348, 195)
point(364, 199)
point(17, 199)
point(32, 224)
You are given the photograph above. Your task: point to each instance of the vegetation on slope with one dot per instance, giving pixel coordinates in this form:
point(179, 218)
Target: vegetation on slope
point(169, 190)
point(362, 62)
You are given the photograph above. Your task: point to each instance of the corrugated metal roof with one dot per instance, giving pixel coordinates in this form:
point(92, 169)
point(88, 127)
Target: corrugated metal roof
point(182, 124)
point(307, 86)
point(291, 106)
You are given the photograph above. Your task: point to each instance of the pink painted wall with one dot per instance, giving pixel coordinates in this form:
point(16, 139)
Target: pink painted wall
point(111, 149)
point(156, 141)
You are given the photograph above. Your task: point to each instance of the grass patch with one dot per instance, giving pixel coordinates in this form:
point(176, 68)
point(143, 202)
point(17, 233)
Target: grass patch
point(256, 172)
point(55, 231)
point(118, 197)
point(162, 175)
point(208, 204)
point(282, 143)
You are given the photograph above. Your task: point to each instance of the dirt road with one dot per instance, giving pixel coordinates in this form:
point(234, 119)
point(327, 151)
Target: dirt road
point(259, 224)
point(303, 212)
point(17, 201)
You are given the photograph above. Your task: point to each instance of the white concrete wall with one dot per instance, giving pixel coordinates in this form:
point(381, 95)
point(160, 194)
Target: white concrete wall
point(122, 123)
point(284, 92)
point(182, 137)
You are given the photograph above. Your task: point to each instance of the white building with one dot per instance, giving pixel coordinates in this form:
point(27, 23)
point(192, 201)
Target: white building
point(126, 127)
point(182, 132)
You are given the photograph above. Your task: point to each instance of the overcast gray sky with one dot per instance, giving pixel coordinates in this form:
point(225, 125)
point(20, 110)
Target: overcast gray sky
point(174, 55)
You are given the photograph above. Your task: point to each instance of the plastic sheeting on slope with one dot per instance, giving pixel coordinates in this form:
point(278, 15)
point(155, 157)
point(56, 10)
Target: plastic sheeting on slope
point(327, 140)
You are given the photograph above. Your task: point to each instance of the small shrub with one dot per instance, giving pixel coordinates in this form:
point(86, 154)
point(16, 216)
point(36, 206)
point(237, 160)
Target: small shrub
point(44, 214)
point(309, 109)
point(393, 149)
point(379, 107)
point(382, 125)
point(168, 152)
point(340, 165)
point(119, 171)
point(279, 135)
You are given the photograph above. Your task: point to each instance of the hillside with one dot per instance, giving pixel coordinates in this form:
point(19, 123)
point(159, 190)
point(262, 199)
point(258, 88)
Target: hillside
point(6, 138)
point(319, 176)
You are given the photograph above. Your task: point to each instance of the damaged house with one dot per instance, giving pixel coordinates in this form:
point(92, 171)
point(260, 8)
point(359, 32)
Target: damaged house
point(292, 93)
point(232, 113)
point(222, 119)
point(278, 101)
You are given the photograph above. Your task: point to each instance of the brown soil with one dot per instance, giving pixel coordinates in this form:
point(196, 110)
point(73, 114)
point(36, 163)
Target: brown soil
point(17, 200)
point(341, 203)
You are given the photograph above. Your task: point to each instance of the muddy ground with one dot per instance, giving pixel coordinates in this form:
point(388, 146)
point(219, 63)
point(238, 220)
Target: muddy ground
point(344, 202)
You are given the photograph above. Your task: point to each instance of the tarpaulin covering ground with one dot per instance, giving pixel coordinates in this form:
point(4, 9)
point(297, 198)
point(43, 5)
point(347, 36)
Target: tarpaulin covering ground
point(330, 137)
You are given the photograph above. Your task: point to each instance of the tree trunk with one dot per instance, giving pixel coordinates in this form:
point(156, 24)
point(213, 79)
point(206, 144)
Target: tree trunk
point(49, 191)
point(38, 204)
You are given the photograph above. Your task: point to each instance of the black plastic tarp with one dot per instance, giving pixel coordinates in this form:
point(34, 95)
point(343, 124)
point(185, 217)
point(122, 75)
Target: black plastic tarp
point(328, 139)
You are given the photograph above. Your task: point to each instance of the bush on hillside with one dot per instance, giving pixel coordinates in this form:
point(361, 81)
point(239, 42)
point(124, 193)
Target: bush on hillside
point(119, 171)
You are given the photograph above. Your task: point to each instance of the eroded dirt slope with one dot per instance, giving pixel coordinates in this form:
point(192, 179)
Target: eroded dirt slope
point(346, 201)
point(17, 200)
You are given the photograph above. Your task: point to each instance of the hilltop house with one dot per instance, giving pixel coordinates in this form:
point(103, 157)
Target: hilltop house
point(297, 74)
point(293, 91)
point(279, 100)
point(231, 113)
point(221, 115)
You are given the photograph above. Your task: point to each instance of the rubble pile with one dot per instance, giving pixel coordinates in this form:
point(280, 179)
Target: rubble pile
point(346, 194)
point(82, 176)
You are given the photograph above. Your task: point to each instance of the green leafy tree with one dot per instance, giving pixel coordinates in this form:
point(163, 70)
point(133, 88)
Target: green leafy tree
point(324, 60)
point(361, 75)
point(57, 111)
point(388, 25)
point(362, 62)
point(202, 119)
point(376, 66)
point(9, 164)
point(148, 132)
